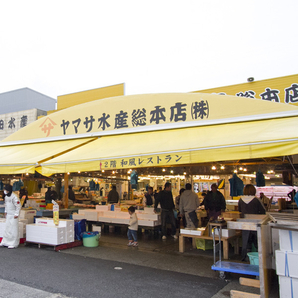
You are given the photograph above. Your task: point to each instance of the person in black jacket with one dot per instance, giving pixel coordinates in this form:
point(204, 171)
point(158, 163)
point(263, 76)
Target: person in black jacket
point(165, 199)
point(249, 204)
point(214, 202)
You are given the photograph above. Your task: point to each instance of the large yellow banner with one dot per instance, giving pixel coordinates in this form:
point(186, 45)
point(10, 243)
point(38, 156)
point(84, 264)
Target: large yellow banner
point(147, 112)
point(281, 89)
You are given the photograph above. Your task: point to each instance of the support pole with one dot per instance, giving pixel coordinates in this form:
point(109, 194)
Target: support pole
point(65, 195)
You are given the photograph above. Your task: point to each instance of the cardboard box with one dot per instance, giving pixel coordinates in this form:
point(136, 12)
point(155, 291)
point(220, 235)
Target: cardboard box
point(286, 263)
point(288, 240)
point(288, 287)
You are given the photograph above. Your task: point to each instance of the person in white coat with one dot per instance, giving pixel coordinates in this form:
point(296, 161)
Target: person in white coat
point(12, 211)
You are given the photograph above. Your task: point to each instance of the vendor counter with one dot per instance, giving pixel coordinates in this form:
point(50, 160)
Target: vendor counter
point(63, 213)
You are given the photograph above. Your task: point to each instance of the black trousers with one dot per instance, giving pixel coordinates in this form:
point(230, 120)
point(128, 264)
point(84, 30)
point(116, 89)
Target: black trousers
point(248, 237)
point(167, 216)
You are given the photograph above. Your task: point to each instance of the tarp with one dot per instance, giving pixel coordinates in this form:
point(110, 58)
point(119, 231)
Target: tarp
point(146, 112)
point(246, 140)
point(24, 158)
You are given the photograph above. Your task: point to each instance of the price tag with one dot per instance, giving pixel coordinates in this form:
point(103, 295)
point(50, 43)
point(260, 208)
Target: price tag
point(56, 213)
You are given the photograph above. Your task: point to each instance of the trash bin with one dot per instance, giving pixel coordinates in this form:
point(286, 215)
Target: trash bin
point(90, 239)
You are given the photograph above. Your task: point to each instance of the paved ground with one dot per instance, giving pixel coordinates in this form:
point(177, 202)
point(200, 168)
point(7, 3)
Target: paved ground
point(155, 268)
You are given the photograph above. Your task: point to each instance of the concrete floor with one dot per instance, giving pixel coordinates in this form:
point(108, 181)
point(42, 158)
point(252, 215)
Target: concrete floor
point(163, 254)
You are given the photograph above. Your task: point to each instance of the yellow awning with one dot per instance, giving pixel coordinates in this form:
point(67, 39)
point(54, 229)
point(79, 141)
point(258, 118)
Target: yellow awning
point(246, 140)
point(24, 158)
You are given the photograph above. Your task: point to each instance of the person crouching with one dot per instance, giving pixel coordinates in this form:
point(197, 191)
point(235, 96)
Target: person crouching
point(132, 232)
point(12, 211)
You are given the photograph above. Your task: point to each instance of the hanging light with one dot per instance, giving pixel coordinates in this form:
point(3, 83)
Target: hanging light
point(222, 167)
point(245, 169)
point(235, 171)
point(163, 170)
point(240, 168)
point(213, 168)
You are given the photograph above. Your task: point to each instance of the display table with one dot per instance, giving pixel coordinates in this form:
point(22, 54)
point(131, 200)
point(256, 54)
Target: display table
point(108, 223)
point(49, 213)
point(225, 241)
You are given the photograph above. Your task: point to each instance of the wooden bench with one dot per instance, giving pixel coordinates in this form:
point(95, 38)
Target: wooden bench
point(225, 242)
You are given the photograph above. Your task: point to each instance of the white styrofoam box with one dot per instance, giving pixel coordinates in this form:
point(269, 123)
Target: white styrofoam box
point(82, 211)
point(290, 259)
point(22, 229)
point(76, 216)
point(120, 220)
point(149, 210)
point(288, 240)
point(68, 223)
point(91, 215)
point(288, 287)
point(102, 207)
point(27, 214)
point(70, 238)
point(45, 234)
point(109, 214)
point(25, 221)
point(148, 223)
point(226, 232)
point(149, 216)
point(190, 231)
point(105, 219)
point(185, 231)
point(96, 228)
point(122, 215)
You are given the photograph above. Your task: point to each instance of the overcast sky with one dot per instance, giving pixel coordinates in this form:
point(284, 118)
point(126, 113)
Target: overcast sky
point(61, 47)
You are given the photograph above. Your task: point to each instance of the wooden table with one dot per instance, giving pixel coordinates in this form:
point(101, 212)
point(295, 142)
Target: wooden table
point(225, 241)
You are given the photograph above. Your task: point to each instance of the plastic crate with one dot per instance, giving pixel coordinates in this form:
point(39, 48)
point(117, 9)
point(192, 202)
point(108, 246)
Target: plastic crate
point(204, 244)
point(253, 258)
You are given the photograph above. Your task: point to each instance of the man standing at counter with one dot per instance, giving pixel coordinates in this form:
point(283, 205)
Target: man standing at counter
point(165, 199)
point(214, 202)
point(189, 202)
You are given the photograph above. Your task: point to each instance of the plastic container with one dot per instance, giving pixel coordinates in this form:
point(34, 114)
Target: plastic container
point(90, 239)
point(253, 258)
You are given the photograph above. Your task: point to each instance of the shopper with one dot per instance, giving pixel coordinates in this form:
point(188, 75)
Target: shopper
point(149, 197)
point(179, 216)
point(165, 199)
point(189, 202)
point(249, 204)
point(113, 196)
point(71, 196)
point(215, 202)
point(265, 200)
point(132, 232)
point(50, 195)
point(12, 210)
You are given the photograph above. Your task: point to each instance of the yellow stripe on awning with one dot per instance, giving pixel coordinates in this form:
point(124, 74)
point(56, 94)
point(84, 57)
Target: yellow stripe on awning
point(24, 158)
point(255, 139)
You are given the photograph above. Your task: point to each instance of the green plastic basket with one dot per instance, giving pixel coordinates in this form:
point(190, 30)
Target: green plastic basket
point(90, 239)
point(253, 258)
